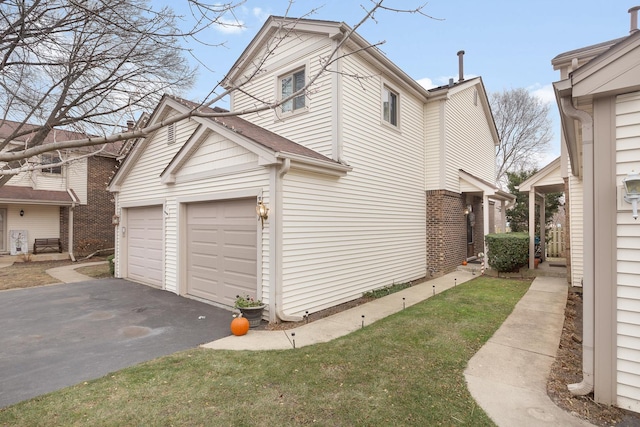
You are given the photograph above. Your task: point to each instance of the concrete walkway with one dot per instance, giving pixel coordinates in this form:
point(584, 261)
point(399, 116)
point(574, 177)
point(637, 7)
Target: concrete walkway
point(68, 273)
point(508, 376)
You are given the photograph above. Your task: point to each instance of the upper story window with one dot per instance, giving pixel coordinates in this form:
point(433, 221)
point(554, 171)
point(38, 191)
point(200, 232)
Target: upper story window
point(51, 159)
point(290, 84)
point(389, 106)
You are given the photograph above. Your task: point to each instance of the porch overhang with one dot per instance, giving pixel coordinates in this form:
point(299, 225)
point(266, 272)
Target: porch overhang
point(472, 184)
point(12, 194)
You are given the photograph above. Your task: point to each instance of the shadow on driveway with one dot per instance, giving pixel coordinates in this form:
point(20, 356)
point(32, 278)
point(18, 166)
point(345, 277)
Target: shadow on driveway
point(56, 336)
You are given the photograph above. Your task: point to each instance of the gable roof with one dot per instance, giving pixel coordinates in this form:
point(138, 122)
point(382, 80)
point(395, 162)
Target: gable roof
point(546, 180)
point(269, 146)
point(486, 187)
point(331, 29)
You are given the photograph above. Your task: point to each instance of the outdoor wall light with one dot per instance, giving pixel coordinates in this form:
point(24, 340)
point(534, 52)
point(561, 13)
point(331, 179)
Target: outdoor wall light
point(21, 212)
point(468, 209)
point(263, 212)
point(632, 189)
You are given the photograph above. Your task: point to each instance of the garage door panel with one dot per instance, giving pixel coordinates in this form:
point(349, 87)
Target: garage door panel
point(144, 245)
point(222, 254)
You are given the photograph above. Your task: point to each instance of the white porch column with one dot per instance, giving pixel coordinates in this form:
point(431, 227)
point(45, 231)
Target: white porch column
point(503, 216)
point(485, 221)
point(532, 227)
point(542, 228)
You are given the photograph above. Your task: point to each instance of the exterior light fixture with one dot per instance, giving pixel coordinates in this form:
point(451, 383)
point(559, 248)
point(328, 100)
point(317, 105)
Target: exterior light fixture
point(468, 209)
point(263, 211)
point(632, 191)
point(21, 212)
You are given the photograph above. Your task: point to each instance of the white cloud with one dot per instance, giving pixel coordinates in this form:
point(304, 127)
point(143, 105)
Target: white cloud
point(260, 13)
point(428, 83)
point(544, 93)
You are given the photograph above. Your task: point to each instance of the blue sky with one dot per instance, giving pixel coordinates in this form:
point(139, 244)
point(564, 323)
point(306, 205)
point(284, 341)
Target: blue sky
point(509, 43)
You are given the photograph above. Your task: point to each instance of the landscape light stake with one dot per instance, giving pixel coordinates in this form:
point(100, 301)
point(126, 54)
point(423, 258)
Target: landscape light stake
point(434, 289)
point(293, 337)
point(403, 303)
point(455, 282)
point(363, 320)
point(306, 316)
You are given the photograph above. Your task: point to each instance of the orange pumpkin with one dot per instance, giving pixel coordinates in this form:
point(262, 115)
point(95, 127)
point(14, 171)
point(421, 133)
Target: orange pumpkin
point(464, 262)
point(239, 326)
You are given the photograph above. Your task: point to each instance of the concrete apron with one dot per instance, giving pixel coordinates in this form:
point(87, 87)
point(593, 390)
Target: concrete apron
point(508, 376)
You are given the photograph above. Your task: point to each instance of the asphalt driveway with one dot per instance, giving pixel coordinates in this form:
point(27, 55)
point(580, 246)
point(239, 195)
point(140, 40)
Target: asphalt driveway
point(56, 336)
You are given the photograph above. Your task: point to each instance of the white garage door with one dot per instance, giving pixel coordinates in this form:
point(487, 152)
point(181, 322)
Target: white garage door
point(221, 255)
point(144, 245)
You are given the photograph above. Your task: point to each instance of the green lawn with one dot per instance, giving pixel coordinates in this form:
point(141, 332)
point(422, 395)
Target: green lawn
point(406, 369)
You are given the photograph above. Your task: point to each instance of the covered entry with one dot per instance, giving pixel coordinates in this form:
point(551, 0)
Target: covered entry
point(221, 249)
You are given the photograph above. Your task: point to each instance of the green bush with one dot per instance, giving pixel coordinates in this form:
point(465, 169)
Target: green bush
point(112, 266)
point(507, 251)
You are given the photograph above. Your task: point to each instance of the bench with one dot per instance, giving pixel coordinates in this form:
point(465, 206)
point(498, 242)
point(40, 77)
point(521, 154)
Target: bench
point(53, 243)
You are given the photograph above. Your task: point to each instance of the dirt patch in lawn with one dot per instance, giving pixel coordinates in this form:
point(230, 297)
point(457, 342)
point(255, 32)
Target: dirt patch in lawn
point(567, 369)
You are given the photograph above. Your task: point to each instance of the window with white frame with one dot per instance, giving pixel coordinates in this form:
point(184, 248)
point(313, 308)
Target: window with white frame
point(389, 106)
point(290, 84)
point(51, 159)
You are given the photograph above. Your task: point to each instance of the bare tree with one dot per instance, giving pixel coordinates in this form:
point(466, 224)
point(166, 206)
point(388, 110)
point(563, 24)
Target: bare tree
point(524, 128)
point(85, 65)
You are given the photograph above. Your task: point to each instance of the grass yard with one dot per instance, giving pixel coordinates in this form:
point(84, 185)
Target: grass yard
point(28, 274)
point(406, 369)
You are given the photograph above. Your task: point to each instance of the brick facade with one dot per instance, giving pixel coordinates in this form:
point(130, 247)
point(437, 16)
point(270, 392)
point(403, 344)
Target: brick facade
point(446, 231)
point(92, 222)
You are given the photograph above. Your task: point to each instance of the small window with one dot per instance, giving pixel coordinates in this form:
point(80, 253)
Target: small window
point(290, 84)
point(51, 159)
point(389, 106)
point(171, 133)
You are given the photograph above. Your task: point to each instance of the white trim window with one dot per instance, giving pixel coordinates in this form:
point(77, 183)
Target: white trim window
point(390, 105)
point(290, 84)
point(50, 159)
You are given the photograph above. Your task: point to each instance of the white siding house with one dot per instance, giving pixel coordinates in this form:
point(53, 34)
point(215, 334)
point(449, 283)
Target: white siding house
point(343, 169)
point(599, 102)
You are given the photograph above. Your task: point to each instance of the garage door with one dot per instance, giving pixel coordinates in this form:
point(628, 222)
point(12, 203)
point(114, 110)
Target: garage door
point(144, 245)
point(221, 255)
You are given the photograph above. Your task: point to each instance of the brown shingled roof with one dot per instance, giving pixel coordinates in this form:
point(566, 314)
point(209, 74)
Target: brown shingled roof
point(15, 193)
point(256, 133)
point(7, 127)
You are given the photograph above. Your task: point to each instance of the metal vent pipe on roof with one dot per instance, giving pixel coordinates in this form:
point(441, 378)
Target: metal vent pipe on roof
point(634, 19)
point(460, 65)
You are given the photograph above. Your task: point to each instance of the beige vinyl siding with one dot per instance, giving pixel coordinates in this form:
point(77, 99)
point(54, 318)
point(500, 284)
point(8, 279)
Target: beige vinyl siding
point(44, 221)
point(576, 219)
point(218, 153)
point(469, 143)
point(343, 236)
point(628, 258)
point(434, 139)
point(76, 175)
point(311, 128)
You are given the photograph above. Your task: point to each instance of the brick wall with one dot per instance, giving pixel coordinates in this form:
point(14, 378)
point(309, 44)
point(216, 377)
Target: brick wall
point(92, 222)
point(446, 231)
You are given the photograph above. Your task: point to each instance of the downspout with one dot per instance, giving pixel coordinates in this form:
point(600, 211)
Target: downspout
point(276, 246)
point(588, 286)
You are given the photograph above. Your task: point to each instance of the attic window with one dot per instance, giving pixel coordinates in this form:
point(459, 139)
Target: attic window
point(290, 84)
point(171, 133)
point(51, 159)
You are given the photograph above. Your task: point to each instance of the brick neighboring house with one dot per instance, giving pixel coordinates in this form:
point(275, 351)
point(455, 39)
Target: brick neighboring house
point(70, 202)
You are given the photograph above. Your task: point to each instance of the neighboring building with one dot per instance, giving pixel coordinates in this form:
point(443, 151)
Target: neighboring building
point(68, 201)
point(370, 179)
point(599, 102)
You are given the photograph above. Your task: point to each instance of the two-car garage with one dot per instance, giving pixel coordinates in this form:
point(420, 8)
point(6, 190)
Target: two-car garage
point(220, 253)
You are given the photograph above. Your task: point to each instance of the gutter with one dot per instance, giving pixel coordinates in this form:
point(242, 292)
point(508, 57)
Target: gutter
point(74, 199)
point(276, 244)
point(588, 329)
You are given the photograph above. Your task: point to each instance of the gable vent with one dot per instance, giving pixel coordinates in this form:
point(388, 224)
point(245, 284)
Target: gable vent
point(171, 133)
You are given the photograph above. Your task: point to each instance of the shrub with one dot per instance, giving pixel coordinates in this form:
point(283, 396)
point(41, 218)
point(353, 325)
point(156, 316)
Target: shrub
point(112, 266)
point(507, 251)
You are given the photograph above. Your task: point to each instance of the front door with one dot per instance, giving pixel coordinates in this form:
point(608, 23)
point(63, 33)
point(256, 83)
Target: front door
point(470, 224)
